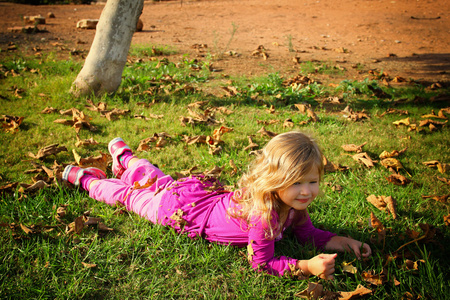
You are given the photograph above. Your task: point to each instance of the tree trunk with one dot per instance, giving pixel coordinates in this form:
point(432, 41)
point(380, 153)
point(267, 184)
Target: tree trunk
point(102, 70)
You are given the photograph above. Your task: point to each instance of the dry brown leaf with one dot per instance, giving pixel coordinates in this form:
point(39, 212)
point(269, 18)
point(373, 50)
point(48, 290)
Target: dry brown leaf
point(312, 115)
point(442, 167)
point(358, 293)
point(251, 145)
point(313, 291)
point(444, 180)
point(440, 115)
point(11, 123)
point(85, 142)
point(217, 133)
point(447, 220)
point(378, 226)
point(49, 110)
point(391, 163)
point(384, 203)
point(353, 147)
point(330, 167)
point(393, 153)
point(364, 158)
point(100, 161)
point(250, 251)
point(427, 122)
point(302, 107)
point(198, 139)
point(442, 198)
point(405, 122)
point(398, 179)
point(265, 132)
point(288, 123)
point(349, 268)
point(375, 279)
point(89, 266)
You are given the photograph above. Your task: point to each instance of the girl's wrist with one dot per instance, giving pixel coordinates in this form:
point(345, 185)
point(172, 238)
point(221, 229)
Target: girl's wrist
point(302, 266)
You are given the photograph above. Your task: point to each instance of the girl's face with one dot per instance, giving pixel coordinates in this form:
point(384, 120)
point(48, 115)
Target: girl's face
point(300, 195)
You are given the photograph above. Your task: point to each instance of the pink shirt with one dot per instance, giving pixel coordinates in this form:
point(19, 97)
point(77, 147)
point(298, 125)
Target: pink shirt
point(199, 207)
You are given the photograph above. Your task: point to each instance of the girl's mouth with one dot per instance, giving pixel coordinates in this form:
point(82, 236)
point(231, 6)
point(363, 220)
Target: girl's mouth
point(303, 200)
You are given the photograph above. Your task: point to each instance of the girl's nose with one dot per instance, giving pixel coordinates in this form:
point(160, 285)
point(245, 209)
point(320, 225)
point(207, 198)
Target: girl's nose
point(304, 190)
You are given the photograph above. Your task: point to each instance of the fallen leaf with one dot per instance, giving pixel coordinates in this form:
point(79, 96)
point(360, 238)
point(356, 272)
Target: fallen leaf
point(405, 122)
point(265, 132)
point(447, 220)
point(358, 293)
point(313, 291)
point(353, 147)
point(442, 168)
point(378, 226)
point(398, 179)
point(250, 251)
point(442, 198)
point(85, 142)
point(375, 279)
point(364, 158)
point(349, 268)
point(384, 203)
point(393, 153)
point(330, 167)
point(89, 266)
point(252, 145)
point(11, 123)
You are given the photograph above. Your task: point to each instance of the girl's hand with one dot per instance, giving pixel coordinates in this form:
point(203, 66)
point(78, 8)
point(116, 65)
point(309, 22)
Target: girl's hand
point(341, 243)
point(321, 265)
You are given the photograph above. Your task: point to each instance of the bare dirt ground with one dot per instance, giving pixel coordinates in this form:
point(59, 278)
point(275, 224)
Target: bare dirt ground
point(407, 38)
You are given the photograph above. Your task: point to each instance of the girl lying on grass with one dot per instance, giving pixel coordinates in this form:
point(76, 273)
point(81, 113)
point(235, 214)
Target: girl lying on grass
point(275, 193)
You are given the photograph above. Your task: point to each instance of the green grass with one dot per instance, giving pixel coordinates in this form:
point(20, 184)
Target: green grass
point(140, 260)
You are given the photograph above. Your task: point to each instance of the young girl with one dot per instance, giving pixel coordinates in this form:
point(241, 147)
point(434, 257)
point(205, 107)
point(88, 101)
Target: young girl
point(274, 194)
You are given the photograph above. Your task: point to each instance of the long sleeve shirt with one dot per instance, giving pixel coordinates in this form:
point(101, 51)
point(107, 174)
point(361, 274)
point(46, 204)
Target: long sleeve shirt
point(201, 208)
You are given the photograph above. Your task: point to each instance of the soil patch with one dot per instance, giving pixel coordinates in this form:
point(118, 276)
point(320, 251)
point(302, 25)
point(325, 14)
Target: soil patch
point(402, 37)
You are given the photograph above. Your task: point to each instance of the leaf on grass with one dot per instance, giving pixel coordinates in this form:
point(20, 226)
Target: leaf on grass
point(353, 147)
point(358, 293)
point(354, 116)
point(49, 110)
point(11, 123)
point(218, 133)
point(288, 123)
point(87, 265)
point(312, 115)
point(79, 120)
point(393, 153)
point(265, 132)
point(349, 268)
point(252, 145)
point(391, 163)
point(364, 158)
point(444, 180)
point(76, 226)
point(405, 122)
point(428, 122)
point(233, 166)
point(100, 161)
point(442, 198)
point(26, 229)
point(398, 179)
point(85, 142)
point(440, 115)
point(31, 188)
point(378, 226)
point(442, 167)
point(61, 212)
point(198, 104)
point(313, 291)
point(330, 167)
point(302, 107)
point(9, 187)
point(447, 220)
point(214, 172)
point(394, 111)
point(230, 91)
point(384, 203)
point(375, 279)
point(198, 139)
point(250, 251)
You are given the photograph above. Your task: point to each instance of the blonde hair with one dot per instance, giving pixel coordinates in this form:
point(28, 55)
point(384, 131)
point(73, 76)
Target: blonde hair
point(283, 161)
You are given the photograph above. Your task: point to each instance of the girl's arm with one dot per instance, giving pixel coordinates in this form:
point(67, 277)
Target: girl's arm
point(346, 244)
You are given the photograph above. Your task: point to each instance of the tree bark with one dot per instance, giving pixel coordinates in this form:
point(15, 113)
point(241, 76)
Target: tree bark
point(102, 70)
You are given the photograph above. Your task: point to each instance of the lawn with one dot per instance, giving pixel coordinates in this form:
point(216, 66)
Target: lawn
point(387, 143)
